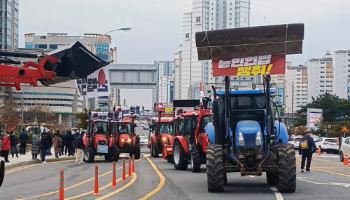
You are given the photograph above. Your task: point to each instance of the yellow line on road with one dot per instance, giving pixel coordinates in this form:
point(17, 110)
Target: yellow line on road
point(132, 181)
point(20, 169)
point(160, 185)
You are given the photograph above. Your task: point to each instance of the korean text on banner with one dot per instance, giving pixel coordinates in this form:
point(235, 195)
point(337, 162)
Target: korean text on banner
point(250, 66)
point(95, 85)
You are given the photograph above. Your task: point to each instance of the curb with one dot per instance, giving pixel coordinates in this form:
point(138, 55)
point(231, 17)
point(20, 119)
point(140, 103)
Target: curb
point(20, 164)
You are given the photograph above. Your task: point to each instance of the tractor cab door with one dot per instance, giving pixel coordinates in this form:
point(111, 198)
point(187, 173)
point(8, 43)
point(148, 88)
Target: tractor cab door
point(189, 128)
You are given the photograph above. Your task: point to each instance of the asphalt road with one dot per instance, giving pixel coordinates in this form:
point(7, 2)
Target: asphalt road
point(329, 179)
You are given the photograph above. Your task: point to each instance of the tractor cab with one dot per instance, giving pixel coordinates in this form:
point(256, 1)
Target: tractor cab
point(166, 129)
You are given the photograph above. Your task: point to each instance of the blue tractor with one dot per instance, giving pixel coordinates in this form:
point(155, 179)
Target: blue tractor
point(246, 136)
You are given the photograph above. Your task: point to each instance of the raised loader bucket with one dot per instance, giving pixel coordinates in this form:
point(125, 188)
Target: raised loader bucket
point(250, 41)
point(75, 61)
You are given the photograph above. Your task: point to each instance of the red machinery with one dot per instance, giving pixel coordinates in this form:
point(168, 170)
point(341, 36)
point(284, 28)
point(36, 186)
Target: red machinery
point(98, 140)
point(191, 143)
point(127, 140)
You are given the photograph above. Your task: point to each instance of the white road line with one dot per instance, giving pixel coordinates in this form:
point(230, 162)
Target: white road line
point(346, 185)
point(278, 195)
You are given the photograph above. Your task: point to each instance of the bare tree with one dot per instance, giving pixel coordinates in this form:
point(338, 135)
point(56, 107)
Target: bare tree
point(10, 115)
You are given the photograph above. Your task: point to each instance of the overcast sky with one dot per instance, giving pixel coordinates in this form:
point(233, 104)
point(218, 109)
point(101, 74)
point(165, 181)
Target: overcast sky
point(156, 24)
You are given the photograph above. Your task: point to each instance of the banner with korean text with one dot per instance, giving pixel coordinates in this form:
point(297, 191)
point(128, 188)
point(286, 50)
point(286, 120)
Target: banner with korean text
point(250, 66)
point(95, 85)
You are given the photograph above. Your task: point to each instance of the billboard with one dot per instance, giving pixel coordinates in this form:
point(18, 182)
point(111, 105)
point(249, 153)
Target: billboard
point(250, 66)
point(314, 118)
point(95, 85)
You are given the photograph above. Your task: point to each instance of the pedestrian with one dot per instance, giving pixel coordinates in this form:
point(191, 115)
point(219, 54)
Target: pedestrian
point(6, 146)
point(23, 139)
point(63, 145)
point(14, 142)
point(79, 146)
point(44, 146)
point(49, 139)
point(70, 143)
point(35, 145)
point(56, 141)
point(307, 147)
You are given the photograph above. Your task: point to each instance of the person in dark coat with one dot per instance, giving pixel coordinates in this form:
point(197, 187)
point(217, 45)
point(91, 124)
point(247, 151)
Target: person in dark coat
point(13, 139)
point(44, 146)
point(49, 138)
point(23, 139)
point(70, 143)
point(63, 147)
point(35, 145)
point(307, 147)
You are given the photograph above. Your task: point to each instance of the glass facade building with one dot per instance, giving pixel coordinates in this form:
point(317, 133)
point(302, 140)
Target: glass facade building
point(8, 24)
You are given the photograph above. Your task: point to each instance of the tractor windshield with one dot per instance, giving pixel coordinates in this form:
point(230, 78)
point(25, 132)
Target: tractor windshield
point(167, 128)
point(100, 127)
point(124, 129)
point(205, 121)
point(189, 126)
point(248, 102)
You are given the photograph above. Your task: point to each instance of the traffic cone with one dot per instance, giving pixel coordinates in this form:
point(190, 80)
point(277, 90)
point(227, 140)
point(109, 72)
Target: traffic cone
point(114, 177)
point(346, 159)
point(133, 163)
point(130, 173)
point(61, 193)
point(96, 181)
point(124, 176)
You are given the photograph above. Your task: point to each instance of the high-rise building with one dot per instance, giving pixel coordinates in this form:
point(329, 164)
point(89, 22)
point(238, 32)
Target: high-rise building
point(8, 24)
point(320, 76)
point(205, 15)
point(296, 87)
point(341, 83)
point(165, 81)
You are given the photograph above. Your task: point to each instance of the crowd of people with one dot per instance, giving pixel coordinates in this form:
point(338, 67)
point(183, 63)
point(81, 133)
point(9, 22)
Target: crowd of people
point(42, 144)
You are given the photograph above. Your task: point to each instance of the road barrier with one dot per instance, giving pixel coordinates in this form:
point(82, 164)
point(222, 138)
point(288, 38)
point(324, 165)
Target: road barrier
point(346, 160)
point(61, 190)
point(114, 177)
point(129, 171)
point(124, 171)
point(96, 181)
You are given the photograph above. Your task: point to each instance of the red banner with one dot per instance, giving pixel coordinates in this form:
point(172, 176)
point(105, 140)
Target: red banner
point(250, 66)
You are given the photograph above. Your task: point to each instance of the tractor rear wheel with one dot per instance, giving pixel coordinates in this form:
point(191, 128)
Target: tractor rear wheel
point(89, 155)
point(286, 169)
point(195, 161)
point(170, 159)
point(272, 178)
point(215, 168)
point(180, 157)
point(137, 152)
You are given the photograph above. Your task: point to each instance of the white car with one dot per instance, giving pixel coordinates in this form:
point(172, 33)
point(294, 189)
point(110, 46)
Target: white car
point(143, 140)
point(344, 149)
point(295, 141)
point(328, 145)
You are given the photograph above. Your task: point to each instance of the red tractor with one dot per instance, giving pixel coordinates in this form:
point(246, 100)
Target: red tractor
point(99, 140)
point(127, 140)
point(191, 143)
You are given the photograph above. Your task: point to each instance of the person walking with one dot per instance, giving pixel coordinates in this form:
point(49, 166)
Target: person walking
point(23, 139)
point(62, 136)
point(49, 139)
point(35, 145)
point(14, 142)
point(56, 141)
point(307, 147)
point(70, 143)
point(6, 146)
point(79, 146)
point(44, 146)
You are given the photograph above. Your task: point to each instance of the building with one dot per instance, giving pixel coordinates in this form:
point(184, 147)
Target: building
point(61, 99)
point(320, 76)
point(165, 81)
point(341, 83)
point(9, 24)
point(296, 88)
point(205, 15)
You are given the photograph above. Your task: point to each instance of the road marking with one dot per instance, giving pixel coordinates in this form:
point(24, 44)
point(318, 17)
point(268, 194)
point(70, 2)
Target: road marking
point(346, 185)
point(32, 165)
point(91, 192)
point(278, 195)
point(160, 185)
point(132, 181)
point(75, 185)
point(331, 172)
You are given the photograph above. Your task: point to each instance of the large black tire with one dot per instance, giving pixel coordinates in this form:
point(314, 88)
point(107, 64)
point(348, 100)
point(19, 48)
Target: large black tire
point(155, 151)
point(89, 155)
point(195, 161)
point(215, 168)
point(137, 152)
point(286, 169)
point(180, 157)
point(114, 154)
point(272, 178)
point(341, 156)
point(170, 159)
point(2, 172)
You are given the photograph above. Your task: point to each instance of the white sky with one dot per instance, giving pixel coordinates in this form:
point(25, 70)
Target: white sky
point(156, 24)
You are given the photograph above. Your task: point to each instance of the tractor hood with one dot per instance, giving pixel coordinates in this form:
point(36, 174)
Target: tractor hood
point(247, 132)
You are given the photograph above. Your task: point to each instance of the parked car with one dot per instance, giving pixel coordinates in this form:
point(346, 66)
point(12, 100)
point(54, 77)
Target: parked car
point(328, 144)
point(295, 141)
point(344, 149)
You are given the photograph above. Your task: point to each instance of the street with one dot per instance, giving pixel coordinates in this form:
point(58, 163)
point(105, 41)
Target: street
point(328, 179)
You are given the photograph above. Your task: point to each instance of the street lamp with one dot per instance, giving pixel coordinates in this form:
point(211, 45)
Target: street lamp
point(119, 29)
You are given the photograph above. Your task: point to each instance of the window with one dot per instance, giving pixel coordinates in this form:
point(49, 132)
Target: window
point(187, 35)
point(198, 19)
point(42, 46)
point(53, 46)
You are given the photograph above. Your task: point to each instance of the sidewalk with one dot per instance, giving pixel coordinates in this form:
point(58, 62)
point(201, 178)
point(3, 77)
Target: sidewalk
point(27, 159)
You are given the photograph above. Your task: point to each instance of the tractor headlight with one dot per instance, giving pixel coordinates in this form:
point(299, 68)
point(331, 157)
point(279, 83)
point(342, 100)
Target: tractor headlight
point(123, 140)
point(258, 138)
point(129, 140)
point(241, 139)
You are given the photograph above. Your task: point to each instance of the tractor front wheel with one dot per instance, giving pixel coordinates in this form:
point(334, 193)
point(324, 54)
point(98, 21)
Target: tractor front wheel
point(89, 155)
point(180, 157)
point(114, 154)
point(195, 161)
point(272, 178)
point(286, 169)
point(137, 152)
point(2, 172)
point(215, 168)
